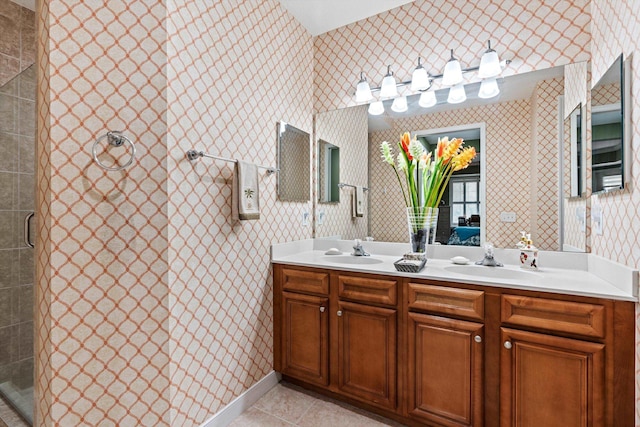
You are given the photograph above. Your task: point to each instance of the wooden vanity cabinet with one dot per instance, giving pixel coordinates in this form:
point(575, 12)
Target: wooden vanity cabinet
point(338, 331)
point(439, 354)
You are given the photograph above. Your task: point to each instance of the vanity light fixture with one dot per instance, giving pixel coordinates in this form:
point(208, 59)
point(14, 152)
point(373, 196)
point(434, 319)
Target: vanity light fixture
point(489, 64)
point(376, 108)
point(421, 81)
point(363, 90)
point(399, 104)
point(389, 88)
point(457, 94)
point(488, 88)
point(420, 78)
point(452, 72)
point(427, 99)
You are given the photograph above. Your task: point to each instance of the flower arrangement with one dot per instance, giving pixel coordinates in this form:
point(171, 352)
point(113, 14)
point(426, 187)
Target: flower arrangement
point(426, 174)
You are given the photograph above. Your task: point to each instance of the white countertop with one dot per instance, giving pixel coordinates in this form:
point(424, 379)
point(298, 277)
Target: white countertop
point(559, 272)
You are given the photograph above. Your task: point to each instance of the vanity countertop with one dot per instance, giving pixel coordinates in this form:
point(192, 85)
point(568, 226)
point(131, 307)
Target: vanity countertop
point(564, 273)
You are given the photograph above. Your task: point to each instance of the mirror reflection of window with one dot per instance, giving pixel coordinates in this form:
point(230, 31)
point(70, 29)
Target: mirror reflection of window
point(464, 198)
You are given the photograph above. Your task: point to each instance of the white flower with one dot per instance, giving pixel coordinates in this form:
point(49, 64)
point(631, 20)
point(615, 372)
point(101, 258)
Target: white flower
point(402, 162)
point(387, 155)
point(416, 149)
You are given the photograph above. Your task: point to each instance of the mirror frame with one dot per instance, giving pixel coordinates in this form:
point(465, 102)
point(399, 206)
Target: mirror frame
point(577, 160)
point(332, 186)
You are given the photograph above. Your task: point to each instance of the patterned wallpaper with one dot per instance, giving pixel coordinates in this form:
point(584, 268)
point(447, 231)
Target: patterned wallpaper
point(102, 296)
point(220, 282)
point(347, 129)
point(616, 29)
point(534, 34)
point(509, 143)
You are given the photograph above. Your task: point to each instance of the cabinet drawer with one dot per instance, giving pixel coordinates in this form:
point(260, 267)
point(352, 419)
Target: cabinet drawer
point(305, 281)
point(368, 290)
point(445, 300)
point(554, 315)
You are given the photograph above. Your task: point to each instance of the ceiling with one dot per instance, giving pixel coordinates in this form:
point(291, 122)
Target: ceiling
point(320, 16)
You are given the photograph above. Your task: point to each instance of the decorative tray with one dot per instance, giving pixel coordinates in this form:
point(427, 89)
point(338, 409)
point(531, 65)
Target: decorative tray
point(410, 265)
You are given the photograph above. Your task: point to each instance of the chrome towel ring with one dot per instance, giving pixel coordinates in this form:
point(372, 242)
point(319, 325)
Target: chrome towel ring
point(115, 139)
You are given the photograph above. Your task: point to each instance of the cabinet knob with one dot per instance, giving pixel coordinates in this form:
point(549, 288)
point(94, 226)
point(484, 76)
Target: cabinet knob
point(507, 345)
point(477, 338)
point(321, 309)
point(339, 313)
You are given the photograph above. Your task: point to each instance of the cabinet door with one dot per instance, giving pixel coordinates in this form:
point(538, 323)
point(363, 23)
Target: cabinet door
point(305, 337)
point(367, 353)
point(445, 370)
point(550, 381)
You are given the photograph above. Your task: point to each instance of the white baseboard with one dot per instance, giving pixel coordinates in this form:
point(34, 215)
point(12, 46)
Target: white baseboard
point(241, 403)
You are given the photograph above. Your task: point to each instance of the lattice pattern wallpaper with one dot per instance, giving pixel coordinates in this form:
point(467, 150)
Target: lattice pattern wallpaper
point(346, 128)
point(534, 34)
point(221, 287)
point(102, 248)
point(616, 29)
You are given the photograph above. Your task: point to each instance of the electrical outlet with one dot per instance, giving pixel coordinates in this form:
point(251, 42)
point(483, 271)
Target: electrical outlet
point(508, 216)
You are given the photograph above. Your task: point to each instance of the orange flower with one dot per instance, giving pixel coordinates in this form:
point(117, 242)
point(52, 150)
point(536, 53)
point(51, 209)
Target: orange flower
point(442, 145)
point(405, 140)
point(462, 160)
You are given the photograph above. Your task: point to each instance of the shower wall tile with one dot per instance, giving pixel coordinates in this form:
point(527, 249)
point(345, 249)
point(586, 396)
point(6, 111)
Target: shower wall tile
point(17, 40)
point(8, 263)
point(8, 113)
point(26, 154)
point(26, 188)
point(26, 117)
point(25, 270)
point(25, 337)
point(6, 299)
point(7, 190)
point(9, 150)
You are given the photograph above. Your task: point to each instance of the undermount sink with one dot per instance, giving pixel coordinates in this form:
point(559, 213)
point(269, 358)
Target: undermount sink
point(350, 259)
point(492, 272)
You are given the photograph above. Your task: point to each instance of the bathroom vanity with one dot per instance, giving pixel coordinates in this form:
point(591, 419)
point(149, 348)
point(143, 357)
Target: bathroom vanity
point(442, 349)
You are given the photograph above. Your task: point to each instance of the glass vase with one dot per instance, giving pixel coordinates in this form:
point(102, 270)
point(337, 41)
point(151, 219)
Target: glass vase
point(422, 224)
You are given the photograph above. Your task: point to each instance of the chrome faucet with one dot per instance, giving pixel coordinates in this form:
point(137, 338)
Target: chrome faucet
point(488, 259)
point(358, 250)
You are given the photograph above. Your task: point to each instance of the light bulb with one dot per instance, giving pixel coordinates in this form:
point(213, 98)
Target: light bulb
point(488, 89)
point(399, 104)
point(489, 64)
point(363, 90)
point(457, 94)
point(376, 108)
point(420, 78)
point(388, 87)
point(452, 72)
point(427, 99)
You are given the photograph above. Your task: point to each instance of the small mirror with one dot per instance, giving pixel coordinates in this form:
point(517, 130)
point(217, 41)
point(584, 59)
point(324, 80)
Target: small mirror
point(574, 136)
point(294, 158)
point(607, 130)
point(328, 172)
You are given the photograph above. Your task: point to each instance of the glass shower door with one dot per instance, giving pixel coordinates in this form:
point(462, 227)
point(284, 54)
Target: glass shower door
point(17, 196)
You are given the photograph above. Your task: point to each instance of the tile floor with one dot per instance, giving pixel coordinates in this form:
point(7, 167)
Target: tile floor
point(287, 405)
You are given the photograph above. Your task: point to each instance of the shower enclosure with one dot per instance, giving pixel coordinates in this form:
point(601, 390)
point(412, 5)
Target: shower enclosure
point(17, 195)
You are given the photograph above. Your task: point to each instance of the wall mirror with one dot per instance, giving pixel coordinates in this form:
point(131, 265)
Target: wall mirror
point(608, 129)
point(574, 146)
point(294, 159)
point(328, 172)
point(521, 125)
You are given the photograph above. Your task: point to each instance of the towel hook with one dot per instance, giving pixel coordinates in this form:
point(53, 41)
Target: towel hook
point(115, 139)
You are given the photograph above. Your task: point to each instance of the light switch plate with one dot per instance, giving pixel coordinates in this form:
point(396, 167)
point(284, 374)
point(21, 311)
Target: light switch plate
point(321, 216)
point(305, 219)
point(508, 216)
